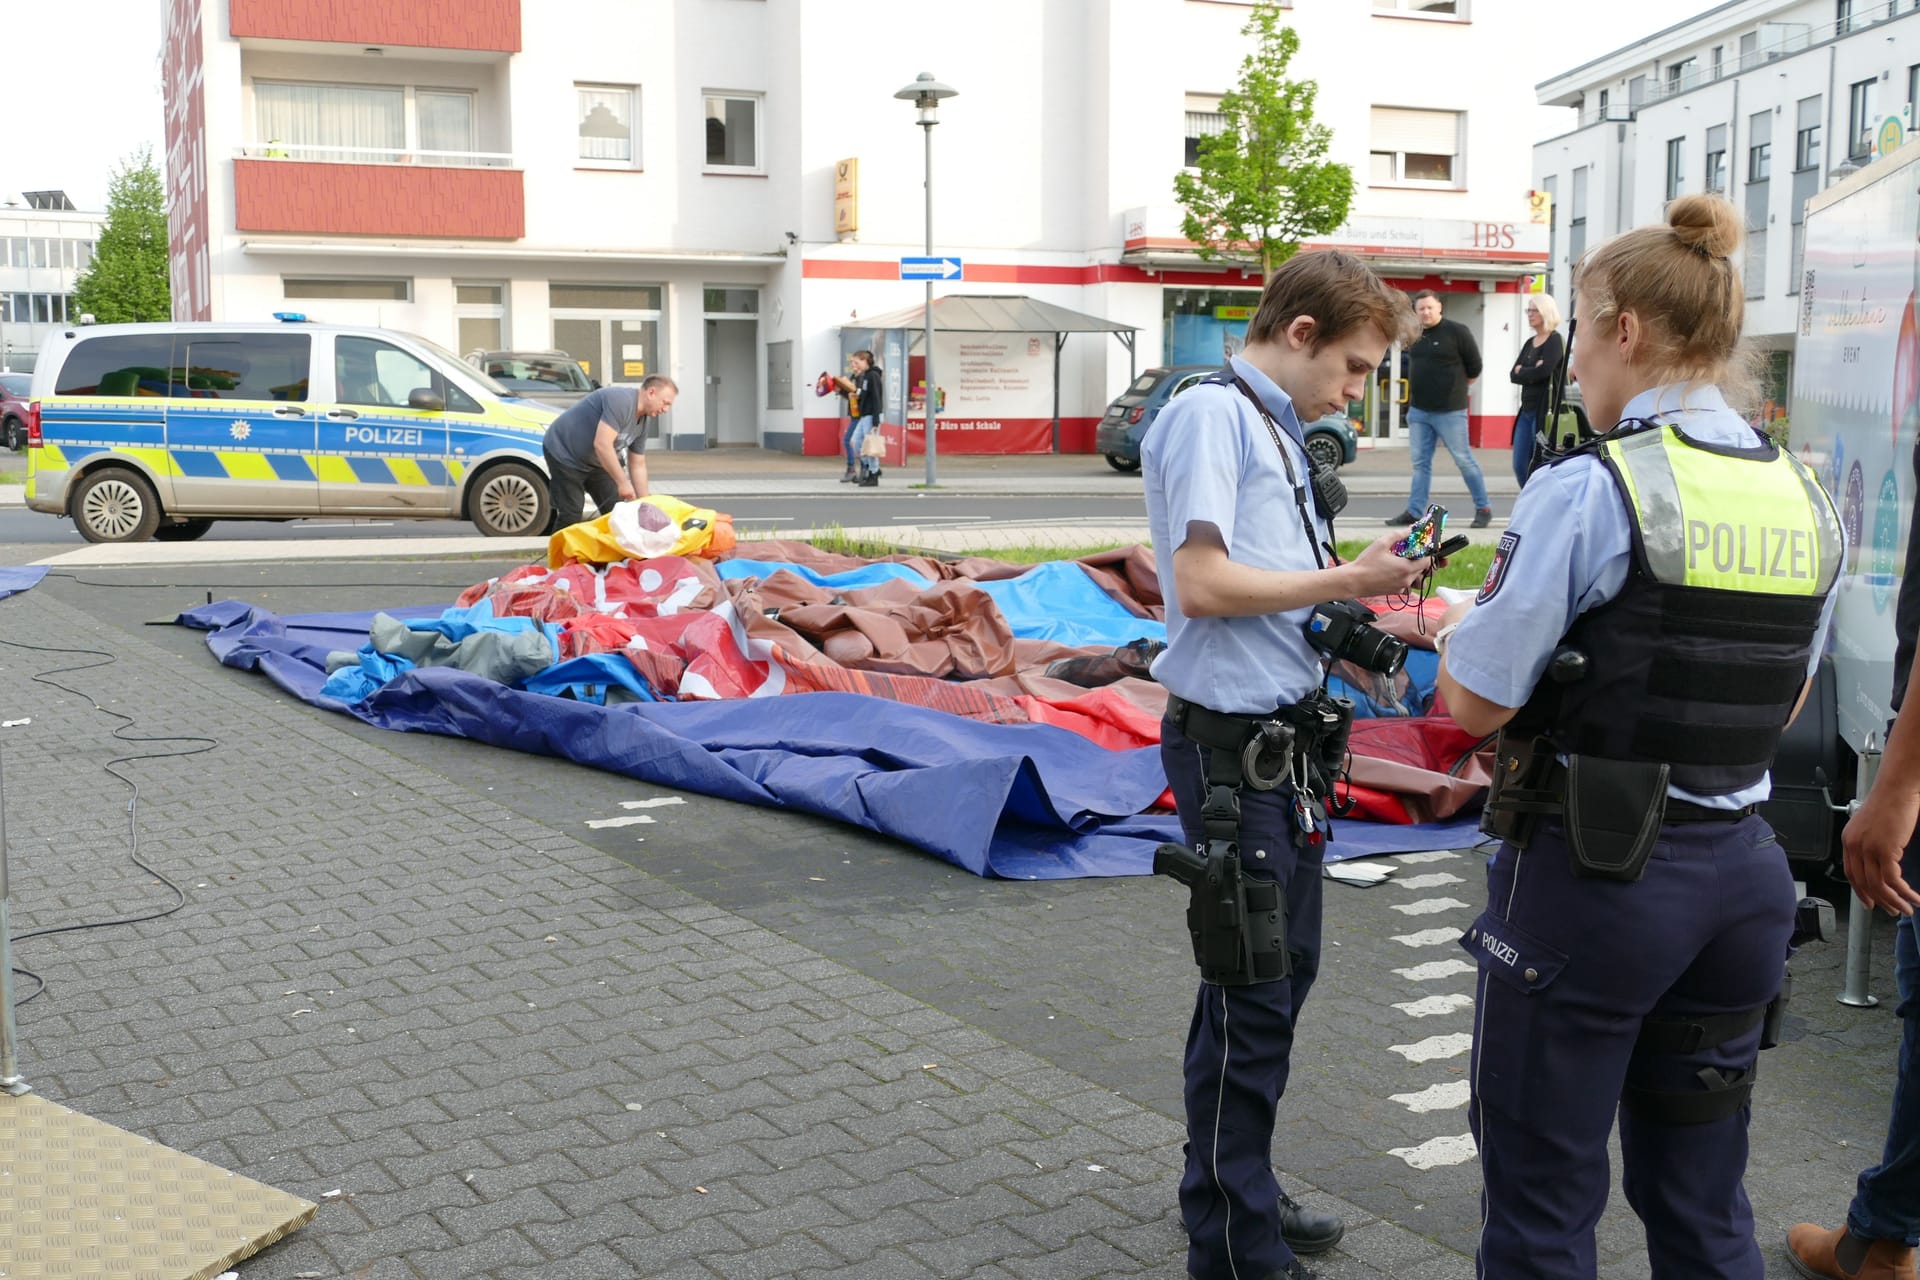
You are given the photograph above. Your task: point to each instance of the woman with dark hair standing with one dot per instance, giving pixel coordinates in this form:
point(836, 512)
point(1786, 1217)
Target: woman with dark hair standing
point(1533, 371)
point(865, 391)
point(1640, 656)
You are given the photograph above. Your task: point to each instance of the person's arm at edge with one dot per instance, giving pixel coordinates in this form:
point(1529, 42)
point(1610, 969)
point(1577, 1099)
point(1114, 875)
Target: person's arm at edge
point(1876, 836)
point(1470, 354)
point(637, 469)
point(1211, 585)
point(609, 459)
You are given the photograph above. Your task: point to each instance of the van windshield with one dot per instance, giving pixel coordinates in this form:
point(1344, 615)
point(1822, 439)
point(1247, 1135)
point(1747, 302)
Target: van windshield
point(455, 362)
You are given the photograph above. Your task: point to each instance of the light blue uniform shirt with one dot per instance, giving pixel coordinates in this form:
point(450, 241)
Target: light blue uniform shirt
point(1568, 549)
point(1209, 459)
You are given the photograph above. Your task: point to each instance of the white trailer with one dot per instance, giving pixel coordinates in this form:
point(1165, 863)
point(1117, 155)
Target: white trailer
point(1855, 403)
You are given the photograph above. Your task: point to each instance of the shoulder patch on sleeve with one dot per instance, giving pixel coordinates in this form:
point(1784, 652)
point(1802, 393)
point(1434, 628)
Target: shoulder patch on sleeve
point(1497, 570)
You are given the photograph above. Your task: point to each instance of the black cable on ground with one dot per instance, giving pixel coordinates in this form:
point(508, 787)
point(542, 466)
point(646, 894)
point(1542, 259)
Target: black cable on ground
point(133, 801)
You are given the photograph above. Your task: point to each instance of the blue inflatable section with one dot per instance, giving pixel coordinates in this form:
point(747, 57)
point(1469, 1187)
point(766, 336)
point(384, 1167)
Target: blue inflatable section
point(17, 578)
point(1040, 802)
point(1058, 601)
point(871, 575)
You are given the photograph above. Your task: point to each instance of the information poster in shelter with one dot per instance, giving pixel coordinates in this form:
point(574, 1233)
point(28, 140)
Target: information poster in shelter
point(999, 392)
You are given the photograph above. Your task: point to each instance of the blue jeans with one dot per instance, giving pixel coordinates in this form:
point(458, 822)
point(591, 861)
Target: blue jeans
point(1524, 428)
point(1451, 428)
point(851, 438)
point(1887, 1205)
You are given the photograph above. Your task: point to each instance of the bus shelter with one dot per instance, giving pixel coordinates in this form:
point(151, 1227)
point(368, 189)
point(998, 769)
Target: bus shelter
point(996, 372)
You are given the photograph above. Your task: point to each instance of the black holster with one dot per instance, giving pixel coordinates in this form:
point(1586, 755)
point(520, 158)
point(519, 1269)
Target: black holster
point(1238, 922)
point(1517, 795)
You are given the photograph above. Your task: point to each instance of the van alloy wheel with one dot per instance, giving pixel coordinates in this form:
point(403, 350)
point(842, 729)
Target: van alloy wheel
point(511, 502)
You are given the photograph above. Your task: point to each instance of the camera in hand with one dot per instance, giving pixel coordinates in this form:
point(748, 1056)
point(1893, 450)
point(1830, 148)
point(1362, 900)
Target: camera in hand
point(1344, 631)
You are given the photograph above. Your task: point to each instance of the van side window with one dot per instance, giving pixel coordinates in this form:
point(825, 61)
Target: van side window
point(131, 364)
point(242, 366)
point(367, 371)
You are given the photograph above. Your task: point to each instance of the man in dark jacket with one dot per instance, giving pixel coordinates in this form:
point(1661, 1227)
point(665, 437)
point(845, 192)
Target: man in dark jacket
point(1441, 364)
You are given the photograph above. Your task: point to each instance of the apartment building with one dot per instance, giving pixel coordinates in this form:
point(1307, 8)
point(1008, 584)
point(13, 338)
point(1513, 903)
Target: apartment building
point(722, 189)
point(1764, 101)
point(45, 243)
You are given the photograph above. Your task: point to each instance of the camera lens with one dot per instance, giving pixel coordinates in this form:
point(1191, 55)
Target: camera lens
point(1377, 651)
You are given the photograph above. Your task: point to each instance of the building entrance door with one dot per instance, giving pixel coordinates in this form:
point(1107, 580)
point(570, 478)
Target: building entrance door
point(732, 367)
point(614, 332)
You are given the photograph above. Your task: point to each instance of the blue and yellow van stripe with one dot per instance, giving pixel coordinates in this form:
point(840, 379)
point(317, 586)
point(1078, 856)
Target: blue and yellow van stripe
point(214, 464)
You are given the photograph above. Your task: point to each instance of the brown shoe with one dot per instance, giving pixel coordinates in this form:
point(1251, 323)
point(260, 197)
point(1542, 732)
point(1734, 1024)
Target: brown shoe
point(1811, 1250)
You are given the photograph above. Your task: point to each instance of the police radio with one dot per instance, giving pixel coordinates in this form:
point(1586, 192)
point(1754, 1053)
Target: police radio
point(1565, 427)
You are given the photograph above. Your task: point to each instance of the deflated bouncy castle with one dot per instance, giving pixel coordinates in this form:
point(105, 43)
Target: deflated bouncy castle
point(1000, 716)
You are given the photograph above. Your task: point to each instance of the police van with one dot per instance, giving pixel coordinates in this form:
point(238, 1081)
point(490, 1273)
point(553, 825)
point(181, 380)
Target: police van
point(139, 431)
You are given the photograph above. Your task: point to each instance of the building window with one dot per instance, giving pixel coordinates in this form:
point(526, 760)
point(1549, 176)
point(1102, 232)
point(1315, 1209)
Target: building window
point(1423, 8)
point(609, 118)
point(332, 122)
point(1680, 75)
point(1716, 173)
point(1577, 219)
point(19, 256)
point(1913, 90)
point(733, 131)
point(446, 126)
point(1759, 162)
point(1859, 119)
point(40, 254)
point(1756, 266)
point(1719, 60)
point(368, 290)
point(1203, 121)
point(1842, 17)
point(1419, 148)
point(1551, 186)
point(1603, 104)
point(1676, 166)
point(1806, 140)
point(479, 317)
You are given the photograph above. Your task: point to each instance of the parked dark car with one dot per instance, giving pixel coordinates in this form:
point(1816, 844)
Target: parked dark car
point(1330, 439)
point(13, 409)
point(551, 377)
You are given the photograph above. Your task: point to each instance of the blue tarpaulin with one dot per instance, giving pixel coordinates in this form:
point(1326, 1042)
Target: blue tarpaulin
point(1026, 801)
point(17, 578)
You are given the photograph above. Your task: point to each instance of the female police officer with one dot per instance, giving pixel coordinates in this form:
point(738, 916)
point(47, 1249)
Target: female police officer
point(1242, 562)
point(1645, 632)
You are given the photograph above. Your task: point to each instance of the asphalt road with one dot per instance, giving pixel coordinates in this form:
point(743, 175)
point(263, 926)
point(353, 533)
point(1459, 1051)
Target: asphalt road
point(752, 515)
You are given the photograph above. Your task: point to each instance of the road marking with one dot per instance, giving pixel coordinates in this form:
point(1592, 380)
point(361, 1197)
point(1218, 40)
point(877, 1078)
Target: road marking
point(1435, 969)
point(1437, 1152)
point(1439, 1097)
point(1427, 937)
point(652, 804)
point(1436, 1047)
point(1431, 855)
point(601, 824)
point(1433, 1005)
point(1432, 880)
point(1427, 906)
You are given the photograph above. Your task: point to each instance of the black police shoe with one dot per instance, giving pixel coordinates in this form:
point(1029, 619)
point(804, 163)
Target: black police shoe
point(1404, 518)
point(1482, 517)
point(1306, 1231)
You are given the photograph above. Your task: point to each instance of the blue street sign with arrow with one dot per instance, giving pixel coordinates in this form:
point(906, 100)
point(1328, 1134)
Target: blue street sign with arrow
point(931, 269)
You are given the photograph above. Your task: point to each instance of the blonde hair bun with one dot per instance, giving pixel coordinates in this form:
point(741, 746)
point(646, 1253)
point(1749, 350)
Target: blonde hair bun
point(1707, 224)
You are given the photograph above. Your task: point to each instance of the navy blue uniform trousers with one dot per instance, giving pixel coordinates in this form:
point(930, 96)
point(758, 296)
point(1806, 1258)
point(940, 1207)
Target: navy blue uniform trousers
point(1569, 968)
point(1241, 1041)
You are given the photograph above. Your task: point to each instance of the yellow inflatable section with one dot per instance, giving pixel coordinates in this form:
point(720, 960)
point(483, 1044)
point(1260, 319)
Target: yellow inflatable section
point(656, 525)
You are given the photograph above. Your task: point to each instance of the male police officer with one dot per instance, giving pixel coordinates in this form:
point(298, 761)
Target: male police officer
point(1646, 631)
point(1242, 564)
point(598, 446)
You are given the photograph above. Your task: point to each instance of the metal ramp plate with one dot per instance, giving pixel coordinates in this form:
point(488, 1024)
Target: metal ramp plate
point(82, 1200)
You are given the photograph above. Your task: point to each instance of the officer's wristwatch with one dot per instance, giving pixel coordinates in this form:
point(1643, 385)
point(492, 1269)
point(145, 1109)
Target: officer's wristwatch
point(1440, 638)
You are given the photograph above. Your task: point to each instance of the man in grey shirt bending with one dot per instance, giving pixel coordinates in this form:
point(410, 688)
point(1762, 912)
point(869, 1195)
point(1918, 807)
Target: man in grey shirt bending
point(584, 446)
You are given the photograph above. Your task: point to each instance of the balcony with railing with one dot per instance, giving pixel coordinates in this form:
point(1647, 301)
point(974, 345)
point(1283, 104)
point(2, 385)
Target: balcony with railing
point(361, 191)
point(478, 26)
point(1778, 40)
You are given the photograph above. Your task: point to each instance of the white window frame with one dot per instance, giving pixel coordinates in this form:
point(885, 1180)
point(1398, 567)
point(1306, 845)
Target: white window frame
point(1463, 11)
point(348, 282)
point(1200, 105)
point(759, 101)
point(482, 310)
point(636, 104)
point(1398, 178)
point(409, 122)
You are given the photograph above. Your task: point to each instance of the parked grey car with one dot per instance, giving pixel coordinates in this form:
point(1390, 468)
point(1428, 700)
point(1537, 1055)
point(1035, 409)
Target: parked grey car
point(551, 377)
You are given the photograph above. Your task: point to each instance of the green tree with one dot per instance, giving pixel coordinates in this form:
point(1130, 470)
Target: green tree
point(1264, 183)
point(127, 280)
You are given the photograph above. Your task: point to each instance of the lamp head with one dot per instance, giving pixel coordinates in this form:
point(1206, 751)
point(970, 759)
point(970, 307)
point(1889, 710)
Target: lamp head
point(925, 94)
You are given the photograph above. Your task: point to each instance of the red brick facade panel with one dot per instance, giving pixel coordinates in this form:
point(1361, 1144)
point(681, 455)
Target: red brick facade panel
point(488, 25)
point(379, 200)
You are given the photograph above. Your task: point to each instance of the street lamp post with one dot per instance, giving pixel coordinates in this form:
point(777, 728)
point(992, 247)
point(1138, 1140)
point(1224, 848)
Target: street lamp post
point(925, 94)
